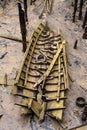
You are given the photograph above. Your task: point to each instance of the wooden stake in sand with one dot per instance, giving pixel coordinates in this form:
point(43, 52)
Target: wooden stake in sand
point(22, 26)
point(85, 19)
point(75, 45)
point(85, 33)
point(80, 11)
point(75, 9)
point(25, 9)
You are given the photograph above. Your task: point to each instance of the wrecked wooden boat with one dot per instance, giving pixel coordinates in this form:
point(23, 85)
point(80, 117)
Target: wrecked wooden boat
point(43, 78)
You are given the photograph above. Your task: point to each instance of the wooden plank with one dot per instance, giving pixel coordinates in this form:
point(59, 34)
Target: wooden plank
point(57, 113)
point(42, 113)
point(66, 71)
point(54, 104)
point(36, 108)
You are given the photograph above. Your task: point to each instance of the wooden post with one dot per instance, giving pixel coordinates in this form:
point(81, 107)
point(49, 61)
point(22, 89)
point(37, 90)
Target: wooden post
point(5, 80)
point(75, 9)
point(85, 19)
point(75, 45)
point(22, 26)
point(80, 11)
point(85, 33)
point(25, 9)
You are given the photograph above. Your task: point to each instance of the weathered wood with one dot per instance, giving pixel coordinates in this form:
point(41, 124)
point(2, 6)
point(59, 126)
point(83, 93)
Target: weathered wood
point(22, 26)
point(75, 9)
point(54, 66)
point(26, 53)
point(42, 113)
point(75, 44)
point(59, 69)
point(80, 9)
point(85, 19)
point(25, 9)
point(19, 82)
point(12, 38)
point(36, 108)
point(66, 69)
point(3, 80)
point(85, 33)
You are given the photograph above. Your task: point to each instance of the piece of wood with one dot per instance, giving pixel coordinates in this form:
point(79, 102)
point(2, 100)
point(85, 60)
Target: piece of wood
point(57, 113)
point(36, 108)
point(59, 71)
point(80, 9)
point(75, 44)
point(85, 19)
point(66, 70)
point(25, 9)
point(22, 26)
point(42, 113)
point(12, 38)
point(3, 80)
point(30, 103)
point(75, 9)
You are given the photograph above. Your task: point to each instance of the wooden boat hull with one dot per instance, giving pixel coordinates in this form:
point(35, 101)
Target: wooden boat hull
point(42, 80)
